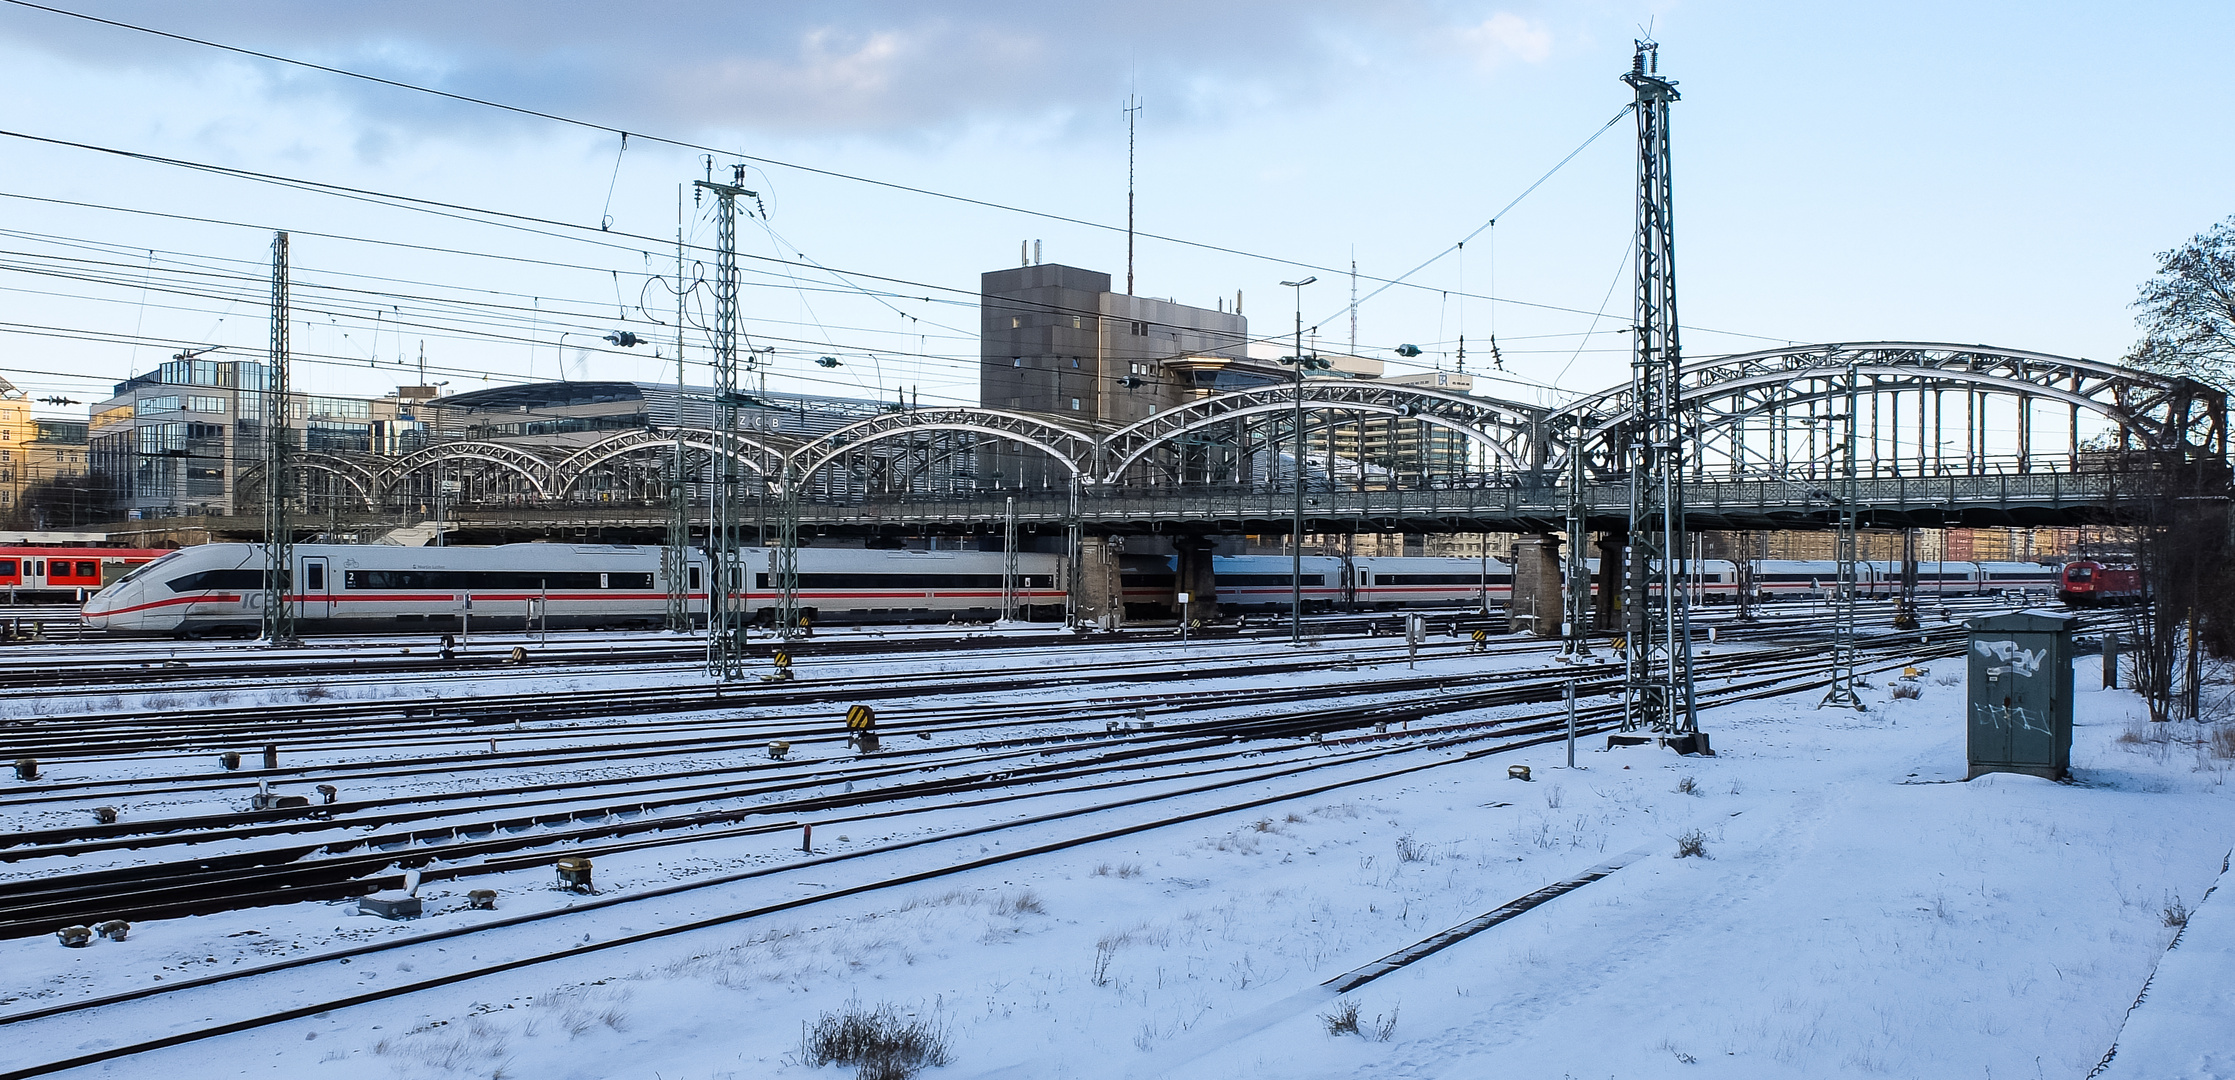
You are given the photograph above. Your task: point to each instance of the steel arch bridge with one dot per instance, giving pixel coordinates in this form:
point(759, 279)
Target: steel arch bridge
point(1770, 414)
point(1757, 424)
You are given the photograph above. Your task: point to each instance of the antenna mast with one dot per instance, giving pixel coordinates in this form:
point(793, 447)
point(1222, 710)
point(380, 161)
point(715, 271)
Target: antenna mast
point(1659, 676)
point(1132, 109)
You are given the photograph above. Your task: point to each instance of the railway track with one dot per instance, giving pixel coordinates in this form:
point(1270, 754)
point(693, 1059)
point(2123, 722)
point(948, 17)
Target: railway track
point(62, 1025)
point(376, 838)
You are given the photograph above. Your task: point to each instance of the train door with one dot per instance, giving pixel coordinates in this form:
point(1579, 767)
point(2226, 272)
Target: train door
point(312, 592)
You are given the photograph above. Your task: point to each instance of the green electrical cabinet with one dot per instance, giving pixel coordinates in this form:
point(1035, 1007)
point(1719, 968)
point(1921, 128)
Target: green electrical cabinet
point(2020, 714)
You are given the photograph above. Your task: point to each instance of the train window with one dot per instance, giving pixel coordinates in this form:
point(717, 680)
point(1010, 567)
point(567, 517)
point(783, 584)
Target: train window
point(1233, 580)
point(628, 581)
point(694, 577)
point(40, 566)
point(314, 576)
point(1438, 579)
point(86, 569)
point(206, 580)
point(462, 580)
point(7, 568)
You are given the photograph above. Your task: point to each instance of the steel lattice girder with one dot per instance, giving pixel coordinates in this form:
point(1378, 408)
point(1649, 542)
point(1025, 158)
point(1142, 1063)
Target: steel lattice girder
point(2164, 413)
point(1511, 432)
point(765, 458)
point(538, 471)
point(350, 471)
point(1074, 449)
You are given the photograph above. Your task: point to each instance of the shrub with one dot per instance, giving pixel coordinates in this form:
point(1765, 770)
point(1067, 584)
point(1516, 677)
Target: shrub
point(2176, 913)
point(1407, 851)
point(1685, 785)
point(880, 1043)
point(1342, 1020)
point(1908, 690)
point(1692, 844)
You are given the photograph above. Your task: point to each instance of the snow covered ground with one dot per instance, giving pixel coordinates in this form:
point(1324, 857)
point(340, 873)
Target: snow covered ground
point(1858, 910)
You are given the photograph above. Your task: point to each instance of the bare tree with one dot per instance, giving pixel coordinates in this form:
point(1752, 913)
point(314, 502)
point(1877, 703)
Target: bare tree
point(2178, 496)
point(2188, 310)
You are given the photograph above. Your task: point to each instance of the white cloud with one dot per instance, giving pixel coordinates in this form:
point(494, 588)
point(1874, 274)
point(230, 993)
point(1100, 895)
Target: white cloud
point(1506, 36)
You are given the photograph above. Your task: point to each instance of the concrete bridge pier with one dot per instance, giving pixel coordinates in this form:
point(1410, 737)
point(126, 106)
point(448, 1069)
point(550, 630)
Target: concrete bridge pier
point(1606, 611)
point(1099, 592)
point(1536, 603)
point(1192, 561)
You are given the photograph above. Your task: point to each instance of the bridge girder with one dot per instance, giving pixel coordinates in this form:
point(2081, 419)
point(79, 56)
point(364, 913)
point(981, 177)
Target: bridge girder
point(1728, 397)
point(1736, 408)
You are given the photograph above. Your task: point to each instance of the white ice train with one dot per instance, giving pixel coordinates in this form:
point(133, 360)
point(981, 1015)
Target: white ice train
point(218, 589)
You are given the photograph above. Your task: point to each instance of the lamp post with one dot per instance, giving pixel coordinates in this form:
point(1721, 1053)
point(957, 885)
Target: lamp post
point(1299, 363)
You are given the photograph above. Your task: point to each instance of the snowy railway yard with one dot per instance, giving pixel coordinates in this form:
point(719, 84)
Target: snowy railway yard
point(1098, 857)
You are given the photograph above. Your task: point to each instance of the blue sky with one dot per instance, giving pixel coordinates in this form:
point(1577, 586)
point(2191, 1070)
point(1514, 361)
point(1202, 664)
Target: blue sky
point(1992, 173)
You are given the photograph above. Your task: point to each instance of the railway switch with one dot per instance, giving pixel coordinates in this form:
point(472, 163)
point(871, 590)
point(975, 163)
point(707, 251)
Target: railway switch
point(113, 929)
point(1517, 772)
point(75, 937)
point(778, 750)
point(866, 741)
point(27, 769)
point(229, 761)
point(574, 874)
point(482, 899)
point(105, 815)
point(329, 793)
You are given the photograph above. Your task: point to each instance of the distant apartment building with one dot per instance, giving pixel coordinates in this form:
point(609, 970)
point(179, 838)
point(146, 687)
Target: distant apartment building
point(37, 456)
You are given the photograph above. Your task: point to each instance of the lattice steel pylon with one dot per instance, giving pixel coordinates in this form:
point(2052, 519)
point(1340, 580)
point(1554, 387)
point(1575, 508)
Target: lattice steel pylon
point(725, 593)
point(1658, 668)
point(675, 559)
point(1576, 573)
point(1842, 692)
point(279, 535)
point(1009, 559)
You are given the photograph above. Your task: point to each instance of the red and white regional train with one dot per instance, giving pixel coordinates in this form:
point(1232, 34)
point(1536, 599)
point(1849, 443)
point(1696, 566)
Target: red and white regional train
point(33, 572)
point(218, 589)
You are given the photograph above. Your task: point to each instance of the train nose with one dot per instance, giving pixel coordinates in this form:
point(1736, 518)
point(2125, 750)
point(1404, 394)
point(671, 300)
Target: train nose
point(98, 608)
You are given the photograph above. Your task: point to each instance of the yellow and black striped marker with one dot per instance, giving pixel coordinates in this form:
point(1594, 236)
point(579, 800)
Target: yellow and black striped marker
point(782, 659)
point(860, 718)
point(1481, 636)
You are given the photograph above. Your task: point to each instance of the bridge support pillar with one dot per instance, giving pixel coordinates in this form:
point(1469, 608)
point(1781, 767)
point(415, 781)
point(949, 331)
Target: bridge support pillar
point(1536, 605)
point(1192, 560)
point(1100, 592)
point(1606, 611)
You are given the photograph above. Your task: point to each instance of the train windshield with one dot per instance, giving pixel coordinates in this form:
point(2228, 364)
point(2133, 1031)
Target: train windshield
point(2078, 573)
point(143, 568)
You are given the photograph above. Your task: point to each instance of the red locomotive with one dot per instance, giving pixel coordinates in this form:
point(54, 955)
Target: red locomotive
point(2091, 584)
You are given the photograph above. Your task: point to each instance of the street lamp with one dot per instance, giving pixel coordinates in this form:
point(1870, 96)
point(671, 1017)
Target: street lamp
point(1298, 363)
